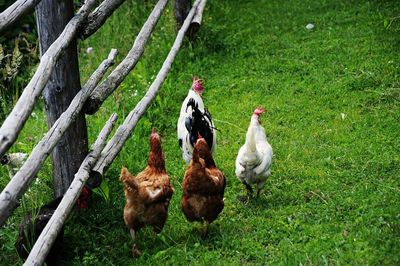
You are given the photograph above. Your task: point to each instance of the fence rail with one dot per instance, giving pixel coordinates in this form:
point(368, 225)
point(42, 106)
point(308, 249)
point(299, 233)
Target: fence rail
point(88, 99)
point(19, 8)
point(53, 227)
point(108, 86)
point(15, 121)
point(97, 18)
point(19, 183)
point(116, 143)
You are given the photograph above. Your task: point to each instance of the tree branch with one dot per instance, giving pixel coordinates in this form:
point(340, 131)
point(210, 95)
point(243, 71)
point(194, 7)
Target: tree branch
point(198, 16)
point(116, 143)
point(20, 182)
point(104, 89)
point(21, 111)
point(98, 17)
point(46, 239)
point(19, 8)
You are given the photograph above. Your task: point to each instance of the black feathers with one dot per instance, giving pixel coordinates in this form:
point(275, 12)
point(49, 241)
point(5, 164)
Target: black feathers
point(199, 123)
point(180, 143)
point(30, 229)
point(5, 159)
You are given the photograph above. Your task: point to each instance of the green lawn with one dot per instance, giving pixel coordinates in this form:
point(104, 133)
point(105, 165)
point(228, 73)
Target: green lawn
point(332, 99)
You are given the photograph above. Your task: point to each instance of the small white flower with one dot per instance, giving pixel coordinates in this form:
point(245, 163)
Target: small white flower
point(134, 93)
point(343, 115)
point(89, 50)
point(310, 26)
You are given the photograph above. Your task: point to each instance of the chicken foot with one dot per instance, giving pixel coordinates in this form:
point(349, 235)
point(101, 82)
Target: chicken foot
point(249, 189)
point(205, 228)
point(135, 250)
point(259, 187)
point(249, 193)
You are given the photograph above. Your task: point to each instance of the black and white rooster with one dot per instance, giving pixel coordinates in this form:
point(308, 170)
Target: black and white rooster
point(194, 119)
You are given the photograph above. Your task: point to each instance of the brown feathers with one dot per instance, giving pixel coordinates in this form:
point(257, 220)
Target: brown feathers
point(203, 186)
point(148, 194)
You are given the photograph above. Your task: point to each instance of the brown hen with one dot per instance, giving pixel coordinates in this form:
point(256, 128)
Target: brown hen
point(203, 187)
point(148, 194)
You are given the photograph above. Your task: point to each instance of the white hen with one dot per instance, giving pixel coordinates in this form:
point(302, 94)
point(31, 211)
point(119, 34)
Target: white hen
point(193, 120)
point(253, 163)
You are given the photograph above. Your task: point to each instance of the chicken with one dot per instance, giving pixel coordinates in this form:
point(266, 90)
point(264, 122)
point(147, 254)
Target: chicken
point(194, 119)
point(148, 194)
point(31, 227)
point(13, 161)
point(203, 187)
point(253, 163)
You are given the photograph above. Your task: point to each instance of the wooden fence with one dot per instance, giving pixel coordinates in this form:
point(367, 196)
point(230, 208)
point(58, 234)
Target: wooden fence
point(89, 99)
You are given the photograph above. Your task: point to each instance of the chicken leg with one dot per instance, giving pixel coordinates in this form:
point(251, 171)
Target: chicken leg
point(205, 228)
point(259, 187)
point(249, 195)
point(135, 250)
point(249, 189)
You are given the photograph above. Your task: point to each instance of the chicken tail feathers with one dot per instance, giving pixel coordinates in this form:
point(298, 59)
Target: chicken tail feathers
point(127, 178)
point(124, 174)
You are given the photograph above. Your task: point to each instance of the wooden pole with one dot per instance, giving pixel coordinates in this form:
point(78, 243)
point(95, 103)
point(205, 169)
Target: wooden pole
point(64, 83)
point(20, 182)
point(107, 87)
point(15, 121)
point(116, 143)
point(19, 8)
point(50, 232)
point(196, 21)
point(97, 18)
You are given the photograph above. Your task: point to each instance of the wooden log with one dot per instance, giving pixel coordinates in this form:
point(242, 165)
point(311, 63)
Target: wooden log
point(21, 111)
point(19, 8)
point(99, 16)
point(116, 143)
point(196, 21)
point(64, 83)
point(181, 10)
point(198, 16)
point(53, 227)
point(107, 87)
point(20, 182)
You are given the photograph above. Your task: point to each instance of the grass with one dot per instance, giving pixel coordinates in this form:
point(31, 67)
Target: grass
point(332, 98)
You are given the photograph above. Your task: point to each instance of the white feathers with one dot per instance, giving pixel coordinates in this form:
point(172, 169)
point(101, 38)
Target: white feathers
point(183, 134)
point(253, 163)
point(194, 119)
point(153, 193)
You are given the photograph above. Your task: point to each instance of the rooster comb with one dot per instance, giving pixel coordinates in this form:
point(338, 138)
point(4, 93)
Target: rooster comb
point(197, 84)
point(259, 111)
